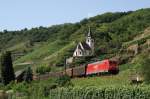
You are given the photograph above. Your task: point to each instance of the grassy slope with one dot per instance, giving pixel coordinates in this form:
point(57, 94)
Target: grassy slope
point(49, 48)
point(118, 80)
point(61, 44)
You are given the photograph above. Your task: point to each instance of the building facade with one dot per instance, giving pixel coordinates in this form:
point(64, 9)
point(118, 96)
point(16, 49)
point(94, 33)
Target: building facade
point(85, 48)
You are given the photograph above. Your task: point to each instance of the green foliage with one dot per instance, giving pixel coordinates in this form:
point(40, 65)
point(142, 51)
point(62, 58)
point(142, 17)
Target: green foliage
point(126, 66)
point(93, 92)
point(43, 69)
point(64, 80)
point(118, 80)
point(7, 71)
point(82, 61)
point(108, 17)
point(21, 87)
point(145, 68)
point(28, 75)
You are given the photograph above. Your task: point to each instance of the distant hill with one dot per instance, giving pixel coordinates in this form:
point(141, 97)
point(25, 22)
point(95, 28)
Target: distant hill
point(50, 46)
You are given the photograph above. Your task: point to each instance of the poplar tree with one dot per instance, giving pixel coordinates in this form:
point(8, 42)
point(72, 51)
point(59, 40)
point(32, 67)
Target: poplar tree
point(7, 71)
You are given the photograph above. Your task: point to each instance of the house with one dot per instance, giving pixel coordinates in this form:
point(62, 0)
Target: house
point(85, 48)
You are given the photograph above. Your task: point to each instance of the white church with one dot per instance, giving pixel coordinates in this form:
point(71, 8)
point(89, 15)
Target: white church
point(85, 48)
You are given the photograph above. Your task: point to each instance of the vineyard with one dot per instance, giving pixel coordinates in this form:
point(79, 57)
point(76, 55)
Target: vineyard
point(86, 92)
point(92, 92)
point(125, 92)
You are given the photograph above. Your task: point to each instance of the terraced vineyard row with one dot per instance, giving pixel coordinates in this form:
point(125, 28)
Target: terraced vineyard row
point(126, 92)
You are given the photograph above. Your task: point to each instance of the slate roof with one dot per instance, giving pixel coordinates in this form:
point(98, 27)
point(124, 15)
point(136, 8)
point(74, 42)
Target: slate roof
point(85, 46)
point(79, 47)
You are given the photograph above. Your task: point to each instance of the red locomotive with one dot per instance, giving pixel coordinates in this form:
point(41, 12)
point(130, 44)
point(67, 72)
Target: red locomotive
point(102, 66)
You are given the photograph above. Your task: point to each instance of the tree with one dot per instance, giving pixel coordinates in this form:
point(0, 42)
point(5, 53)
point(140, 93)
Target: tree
point(28, 75)
point(7, 71)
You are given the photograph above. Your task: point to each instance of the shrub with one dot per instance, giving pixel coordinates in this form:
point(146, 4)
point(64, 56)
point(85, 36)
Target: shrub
point(43, 69)
point(21, 87)
point(28, 76)
point(64, 80)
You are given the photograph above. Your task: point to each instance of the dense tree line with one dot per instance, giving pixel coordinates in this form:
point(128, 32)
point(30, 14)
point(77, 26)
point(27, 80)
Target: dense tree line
point(40, 34)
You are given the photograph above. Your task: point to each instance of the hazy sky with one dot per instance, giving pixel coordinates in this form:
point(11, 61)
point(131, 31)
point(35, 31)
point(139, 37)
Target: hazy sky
point(19, 14)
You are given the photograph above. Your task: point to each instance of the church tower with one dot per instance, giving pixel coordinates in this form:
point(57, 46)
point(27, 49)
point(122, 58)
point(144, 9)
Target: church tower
point(89, 40)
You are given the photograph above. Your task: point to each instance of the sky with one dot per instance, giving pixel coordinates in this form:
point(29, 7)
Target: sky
point(20, 14)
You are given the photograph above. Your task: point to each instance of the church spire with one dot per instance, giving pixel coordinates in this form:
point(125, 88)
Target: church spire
point(89, 33)
point(90, 40)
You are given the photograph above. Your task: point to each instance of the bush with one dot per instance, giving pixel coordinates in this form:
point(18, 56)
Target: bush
point(28, 76)
point(21, 87)
point(43, 69)
point(64, 80)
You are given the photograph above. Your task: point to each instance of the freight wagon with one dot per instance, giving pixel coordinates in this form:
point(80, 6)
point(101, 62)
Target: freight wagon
point(79, 71)
point(48, 75)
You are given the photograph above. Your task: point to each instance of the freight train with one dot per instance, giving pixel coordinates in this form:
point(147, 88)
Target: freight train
point(99, 67)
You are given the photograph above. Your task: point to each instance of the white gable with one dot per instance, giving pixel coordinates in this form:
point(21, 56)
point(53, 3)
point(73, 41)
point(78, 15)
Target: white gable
point(85, 48)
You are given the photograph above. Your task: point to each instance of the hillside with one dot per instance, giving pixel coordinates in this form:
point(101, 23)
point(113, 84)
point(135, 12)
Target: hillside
point(123, 36)
point(50, 46)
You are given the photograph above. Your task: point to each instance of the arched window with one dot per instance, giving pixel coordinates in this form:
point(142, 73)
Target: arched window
point(80, 53)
